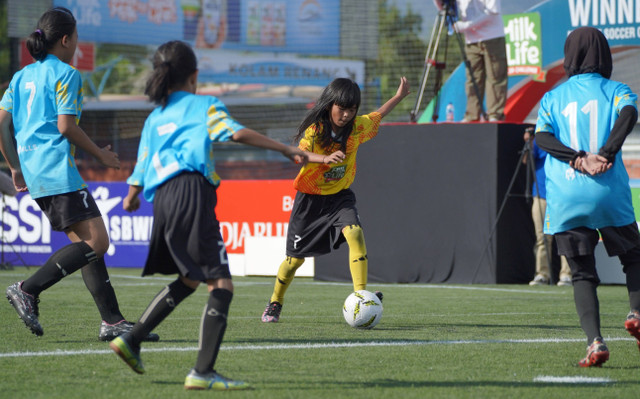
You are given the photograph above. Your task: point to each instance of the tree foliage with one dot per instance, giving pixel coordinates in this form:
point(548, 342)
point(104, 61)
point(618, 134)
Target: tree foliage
point(401, 52)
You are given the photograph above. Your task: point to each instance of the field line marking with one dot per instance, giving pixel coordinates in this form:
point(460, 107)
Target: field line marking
point(410, 285)
point(310, 345)
point(573, 380)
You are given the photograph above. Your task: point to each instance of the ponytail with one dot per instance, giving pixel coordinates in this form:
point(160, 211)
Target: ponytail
point(52, 26)
point(173, 63)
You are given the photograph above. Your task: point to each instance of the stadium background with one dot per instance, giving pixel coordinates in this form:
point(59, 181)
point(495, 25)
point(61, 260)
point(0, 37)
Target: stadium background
point(272, 60)
point(383, 39)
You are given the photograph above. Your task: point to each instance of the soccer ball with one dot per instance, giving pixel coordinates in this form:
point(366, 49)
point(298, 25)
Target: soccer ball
point(362, 309)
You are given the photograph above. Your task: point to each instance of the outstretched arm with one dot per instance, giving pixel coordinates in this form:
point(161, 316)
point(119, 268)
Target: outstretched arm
point(335, 157)
point(401, 93)
point(253, 138)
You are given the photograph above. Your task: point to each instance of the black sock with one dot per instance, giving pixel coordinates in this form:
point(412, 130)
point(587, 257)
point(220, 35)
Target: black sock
point(63, 262)
point(631, 263)
point(633, 287)
point(588, 307)
point(212, 328)
point(96, 278)
point(159, 308)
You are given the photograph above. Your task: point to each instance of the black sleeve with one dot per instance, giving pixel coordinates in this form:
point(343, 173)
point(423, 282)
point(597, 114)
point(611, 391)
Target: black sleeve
point(555, 148)
point(621, 129)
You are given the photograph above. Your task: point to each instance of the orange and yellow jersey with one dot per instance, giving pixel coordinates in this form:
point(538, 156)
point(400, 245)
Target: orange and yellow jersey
point(318, 178)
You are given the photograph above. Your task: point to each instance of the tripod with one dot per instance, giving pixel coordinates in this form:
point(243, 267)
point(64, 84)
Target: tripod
point(526, 158)
point(447, 17)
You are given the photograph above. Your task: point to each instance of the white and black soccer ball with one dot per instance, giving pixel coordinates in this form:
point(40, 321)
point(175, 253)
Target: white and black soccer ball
point(362, 309)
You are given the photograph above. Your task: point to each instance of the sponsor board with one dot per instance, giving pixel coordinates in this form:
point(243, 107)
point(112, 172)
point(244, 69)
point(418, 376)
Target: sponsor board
point(256, 208)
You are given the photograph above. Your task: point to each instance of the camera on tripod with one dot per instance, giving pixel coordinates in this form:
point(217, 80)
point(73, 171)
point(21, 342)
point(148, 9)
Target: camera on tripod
point(446, 17)
point(450, 7)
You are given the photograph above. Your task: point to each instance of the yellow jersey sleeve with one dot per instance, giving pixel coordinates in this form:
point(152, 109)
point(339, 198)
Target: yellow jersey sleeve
point(317, 178)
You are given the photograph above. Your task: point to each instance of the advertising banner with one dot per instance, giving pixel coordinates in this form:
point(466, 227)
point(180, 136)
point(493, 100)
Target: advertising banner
point(524, 44)
point(618, 20)
point(221, 66)
point(296, 26)
point(83, 59)
point(256, 208)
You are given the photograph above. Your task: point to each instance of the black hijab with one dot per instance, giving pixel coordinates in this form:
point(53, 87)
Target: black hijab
point(586, 50)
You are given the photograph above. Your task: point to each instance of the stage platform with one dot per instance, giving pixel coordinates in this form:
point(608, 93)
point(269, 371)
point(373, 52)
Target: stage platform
point(428, 197)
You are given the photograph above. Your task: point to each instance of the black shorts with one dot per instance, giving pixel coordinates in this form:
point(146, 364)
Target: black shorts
point(316, 222)
point(185, 237)
point(65, 210)
point(582, 240)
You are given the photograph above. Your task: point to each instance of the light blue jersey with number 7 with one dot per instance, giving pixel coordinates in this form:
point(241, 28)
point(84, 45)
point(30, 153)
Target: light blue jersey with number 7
point(581, 113)
point(37, 94)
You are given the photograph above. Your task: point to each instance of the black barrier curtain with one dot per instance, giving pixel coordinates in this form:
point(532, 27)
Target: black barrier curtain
point(428, 197)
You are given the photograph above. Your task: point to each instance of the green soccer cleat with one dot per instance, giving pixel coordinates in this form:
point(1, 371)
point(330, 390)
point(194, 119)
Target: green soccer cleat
point(130, 355)
point(212, 380)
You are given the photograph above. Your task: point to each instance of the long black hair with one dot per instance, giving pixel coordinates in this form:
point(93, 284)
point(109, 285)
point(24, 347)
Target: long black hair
point(52, 26)
point(342, 92)
point(173, 63)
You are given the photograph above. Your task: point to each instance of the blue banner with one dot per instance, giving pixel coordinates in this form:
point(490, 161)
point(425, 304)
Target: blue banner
point(296, 26)
point(27, 238)
point(231, 66)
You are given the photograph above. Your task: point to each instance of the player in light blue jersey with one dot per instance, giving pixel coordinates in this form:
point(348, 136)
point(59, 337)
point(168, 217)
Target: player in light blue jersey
point(582, 124)
point(44, 103)
point(175, 170)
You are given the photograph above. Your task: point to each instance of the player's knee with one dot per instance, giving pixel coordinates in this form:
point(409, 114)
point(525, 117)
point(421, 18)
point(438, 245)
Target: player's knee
point(584, 275)
point(294, 263)
point(100, 245)
point(355, 238)
point(630, 260)
point(353, 232)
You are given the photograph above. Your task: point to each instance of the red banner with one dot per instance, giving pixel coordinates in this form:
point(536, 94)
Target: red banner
point(259, 208)
point(83, 59)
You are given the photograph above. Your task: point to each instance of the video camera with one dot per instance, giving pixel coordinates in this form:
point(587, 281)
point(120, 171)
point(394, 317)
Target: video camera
point(451, 7)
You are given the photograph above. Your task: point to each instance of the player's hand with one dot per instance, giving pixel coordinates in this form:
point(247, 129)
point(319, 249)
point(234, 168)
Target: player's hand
point(18, 181)
point(109, 158)
point(576, 164)
point(131, 203)
point(592, 164)
point(296, 155)
point(404, 89)
point(335, 157)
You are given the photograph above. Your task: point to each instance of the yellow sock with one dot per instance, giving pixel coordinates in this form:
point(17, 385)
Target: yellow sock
point(358, 263)
point(286, 272)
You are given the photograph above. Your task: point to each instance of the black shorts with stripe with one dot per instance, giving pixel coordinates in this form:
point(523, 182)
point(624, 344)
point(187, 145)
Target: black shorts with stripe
point(316, 222)
point(65, 210)
point(185, 237)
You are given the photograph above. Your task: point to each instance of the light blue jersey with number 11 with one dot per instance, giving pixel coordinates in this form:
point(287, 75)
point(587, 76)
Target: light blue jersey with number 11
point(581, 113)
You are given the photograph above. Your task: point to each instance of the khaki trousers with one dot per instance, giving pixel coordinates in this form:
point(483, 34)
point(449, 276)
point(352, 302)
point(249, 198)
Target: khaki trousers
point(488, 64)
point(538, 210)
